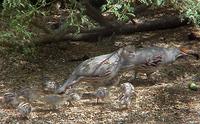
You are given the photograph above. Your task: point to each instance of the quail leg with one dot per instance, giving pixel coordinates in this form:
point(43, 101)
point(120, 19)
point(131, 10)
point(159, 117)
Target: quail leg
point(70, 104)
point(135, 75)
point(97, 101)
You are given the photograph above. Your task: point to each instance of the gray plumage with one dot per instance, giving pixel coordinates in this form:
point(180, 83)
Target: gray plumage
point(10, 99)
point(147, 60)
point(99, 70)
point(101, 93)
point(24, 109)
point(126, 91)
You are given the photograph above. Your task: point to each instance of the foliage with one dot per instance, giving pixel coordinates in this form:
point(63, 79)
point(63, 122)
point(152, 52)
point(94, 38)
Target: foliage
point(122, 10)
point(154, 2)
point(18, 14)
point(189, 9)
point(76, 17)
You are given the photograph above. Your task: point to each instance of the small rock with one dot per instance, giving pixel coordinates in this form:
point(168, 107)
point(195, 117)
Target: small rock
point(193, 86)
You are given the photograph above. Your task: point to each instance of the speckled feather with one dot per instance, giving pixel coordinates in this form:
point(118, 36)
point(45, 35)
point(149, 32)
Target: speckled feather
point(10, 99)
point(126, 91)
point(24, 109)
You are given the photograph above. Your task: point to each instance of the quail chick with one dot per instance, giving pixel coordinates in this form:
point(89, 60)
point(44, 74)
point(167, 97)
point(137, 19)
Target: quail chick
point(10, 99)
point(53, 100)
point(101, 93)
point(127, 91)
point(49, 86)
point(30, 94)
point(24, 109)
point(72, 97)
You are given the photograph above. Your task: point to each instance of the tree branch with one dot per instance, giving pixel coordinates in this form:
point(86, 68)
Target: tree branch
point(165, 22)
point(95, 14)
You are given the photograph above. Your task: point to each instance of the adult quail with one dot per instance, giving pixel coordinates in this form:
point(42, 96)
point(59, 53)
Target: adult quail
point(101, 69)
point(24, 109)
point(101, 93)
point(147, 60)
point(10, 99)
point(127, 91)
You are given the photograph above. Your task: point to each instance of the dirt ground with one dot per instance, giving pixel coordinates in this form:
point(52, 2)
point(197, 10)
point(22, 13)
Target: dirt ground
point(166, 100)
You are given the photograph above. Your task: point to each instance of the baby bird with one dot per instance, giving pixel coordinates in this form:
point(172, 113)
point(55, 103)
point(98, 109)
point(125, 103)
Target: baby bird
point(49, 86)
point(71, 97)
point(24, 109)
point(53, 100)
point(29, 94)
point(101, 93)
point(127, 91)
point(10, 99)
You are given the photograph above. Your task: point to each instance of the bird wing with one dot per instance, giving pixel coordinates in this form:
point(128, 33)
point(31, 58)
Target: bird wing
point(99, 66)
point(154, 60)
point(149, 57)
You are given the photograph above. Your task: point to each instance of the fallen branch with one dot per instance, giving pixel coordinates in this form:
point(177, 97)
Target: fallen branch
point(165, 22)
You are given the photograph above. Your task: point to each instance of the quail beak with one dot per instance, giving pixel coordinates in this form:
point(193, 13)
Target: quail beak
point(188, 52)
